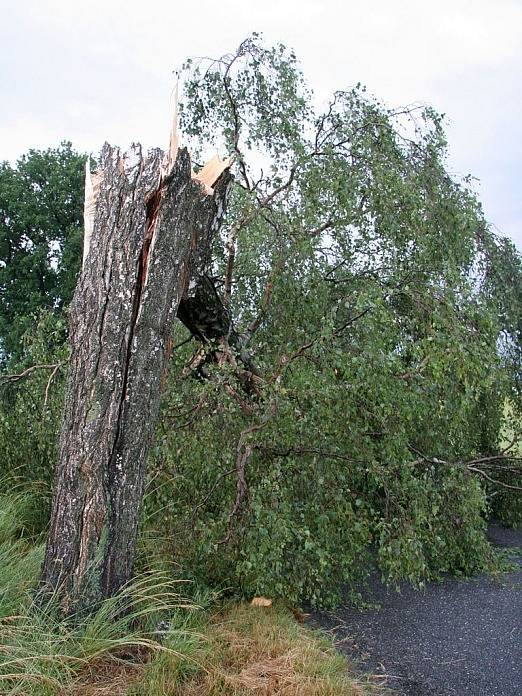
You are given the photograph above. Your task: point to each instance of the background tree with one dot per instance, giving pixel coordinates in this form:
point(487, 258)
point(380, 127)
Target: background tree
point(41, 207)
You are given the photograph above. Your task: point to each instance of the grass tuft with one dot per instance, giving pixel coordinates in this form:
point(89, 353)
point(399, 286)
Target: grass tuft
point(56, 655)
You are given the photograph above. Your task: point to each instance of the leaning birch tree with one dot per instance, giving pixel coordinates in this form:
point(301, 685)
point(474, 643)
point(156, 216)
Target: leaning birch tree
point(149, 223)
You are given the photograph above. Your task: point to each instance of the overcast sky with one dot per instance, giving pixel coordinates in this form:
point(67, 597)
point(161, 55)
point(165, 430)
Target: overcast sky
point(102, 70)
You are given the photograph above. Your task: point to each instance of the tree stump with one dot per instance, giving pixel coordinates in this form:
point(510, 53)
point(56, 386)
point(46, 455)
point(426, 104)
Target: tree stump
point(149, 226)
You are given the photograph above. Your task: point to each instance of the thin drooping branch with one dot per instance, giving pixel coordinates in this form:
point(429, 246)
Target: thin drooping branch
point(231, 258)
point(266, 300)
point(244, 451)
point(283, 188)
point(477, 466)
point(237, 128)
point(49, 382)
point(496, 481)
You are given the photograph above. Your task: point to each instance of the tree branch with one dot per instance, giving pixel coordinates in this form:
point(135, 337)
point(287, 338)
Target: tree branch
point(472, 465)
point(49, 382)
point(8, 379)
point(243, 453)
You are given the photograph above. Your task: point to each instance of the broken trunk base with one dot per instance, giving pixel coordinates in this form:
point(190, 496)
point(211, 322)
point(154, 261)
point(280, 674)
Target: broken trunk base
point(149, 225)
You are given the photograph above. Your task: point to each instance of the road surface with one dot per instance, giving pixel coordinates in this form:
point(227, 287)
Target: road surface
point(455, 638)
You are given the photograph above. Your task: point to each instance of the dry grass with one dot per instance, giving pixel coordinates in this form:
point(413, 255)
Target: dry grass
point(43, 654)
point(110, 674)
point(255, 651)
point(105, 677)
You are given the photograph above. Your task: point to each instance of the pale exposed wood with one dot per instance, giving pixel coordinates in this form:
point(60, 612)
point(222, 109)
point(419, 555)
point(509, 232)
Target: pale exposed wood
point(174, 137)
point(174, 141)
point(88, 211)
point(92, 188)
point(211, 172)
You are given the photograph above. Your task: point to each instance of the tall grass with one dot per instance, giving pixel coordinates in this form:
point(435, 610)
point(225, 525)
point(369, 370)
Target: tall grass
point(42, 653)
point(20, 554)
point(47, 652)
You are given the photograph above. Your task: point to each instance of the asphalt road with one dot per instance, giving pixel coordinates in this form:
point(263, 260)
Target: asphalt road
point(455, 638)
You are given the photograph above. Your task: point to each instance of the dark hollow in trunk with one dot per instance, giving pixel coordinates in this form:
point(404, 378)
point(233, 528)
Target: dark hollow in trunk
point(151, 240)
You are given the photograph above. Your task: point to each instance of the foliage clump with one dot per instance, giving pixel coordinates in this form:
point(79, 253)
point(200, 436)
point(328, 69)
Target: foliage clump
point(366, 286)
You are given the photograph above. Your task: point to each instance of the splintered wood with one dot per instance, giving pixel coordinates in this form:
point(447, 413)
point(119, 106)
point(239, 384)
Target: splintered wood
point(92, 187)
point(206, 176)
point(211, 172)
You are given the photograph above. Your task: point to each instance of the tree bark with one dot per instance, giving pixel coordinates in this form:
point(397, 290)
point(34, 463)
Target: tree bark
point(150, 240)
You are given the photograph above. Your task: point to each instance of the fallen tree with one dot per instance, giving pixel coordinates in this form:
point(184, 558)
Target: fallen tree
point(149, 224)
point(383, 317)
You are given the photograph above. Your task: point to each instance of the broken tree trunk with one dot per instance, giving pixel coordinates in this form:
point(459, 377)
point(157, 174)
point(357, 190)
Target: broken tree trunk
point(149, 227)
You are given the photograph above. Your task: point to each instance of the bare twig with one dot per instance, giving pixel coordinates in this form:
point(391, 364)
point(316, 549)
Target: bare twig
point(264, 202)
point(48, 385)
point(320, 229)
point(502, 484)
point(474, 465)
point(490, 461)
point(16, 378)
